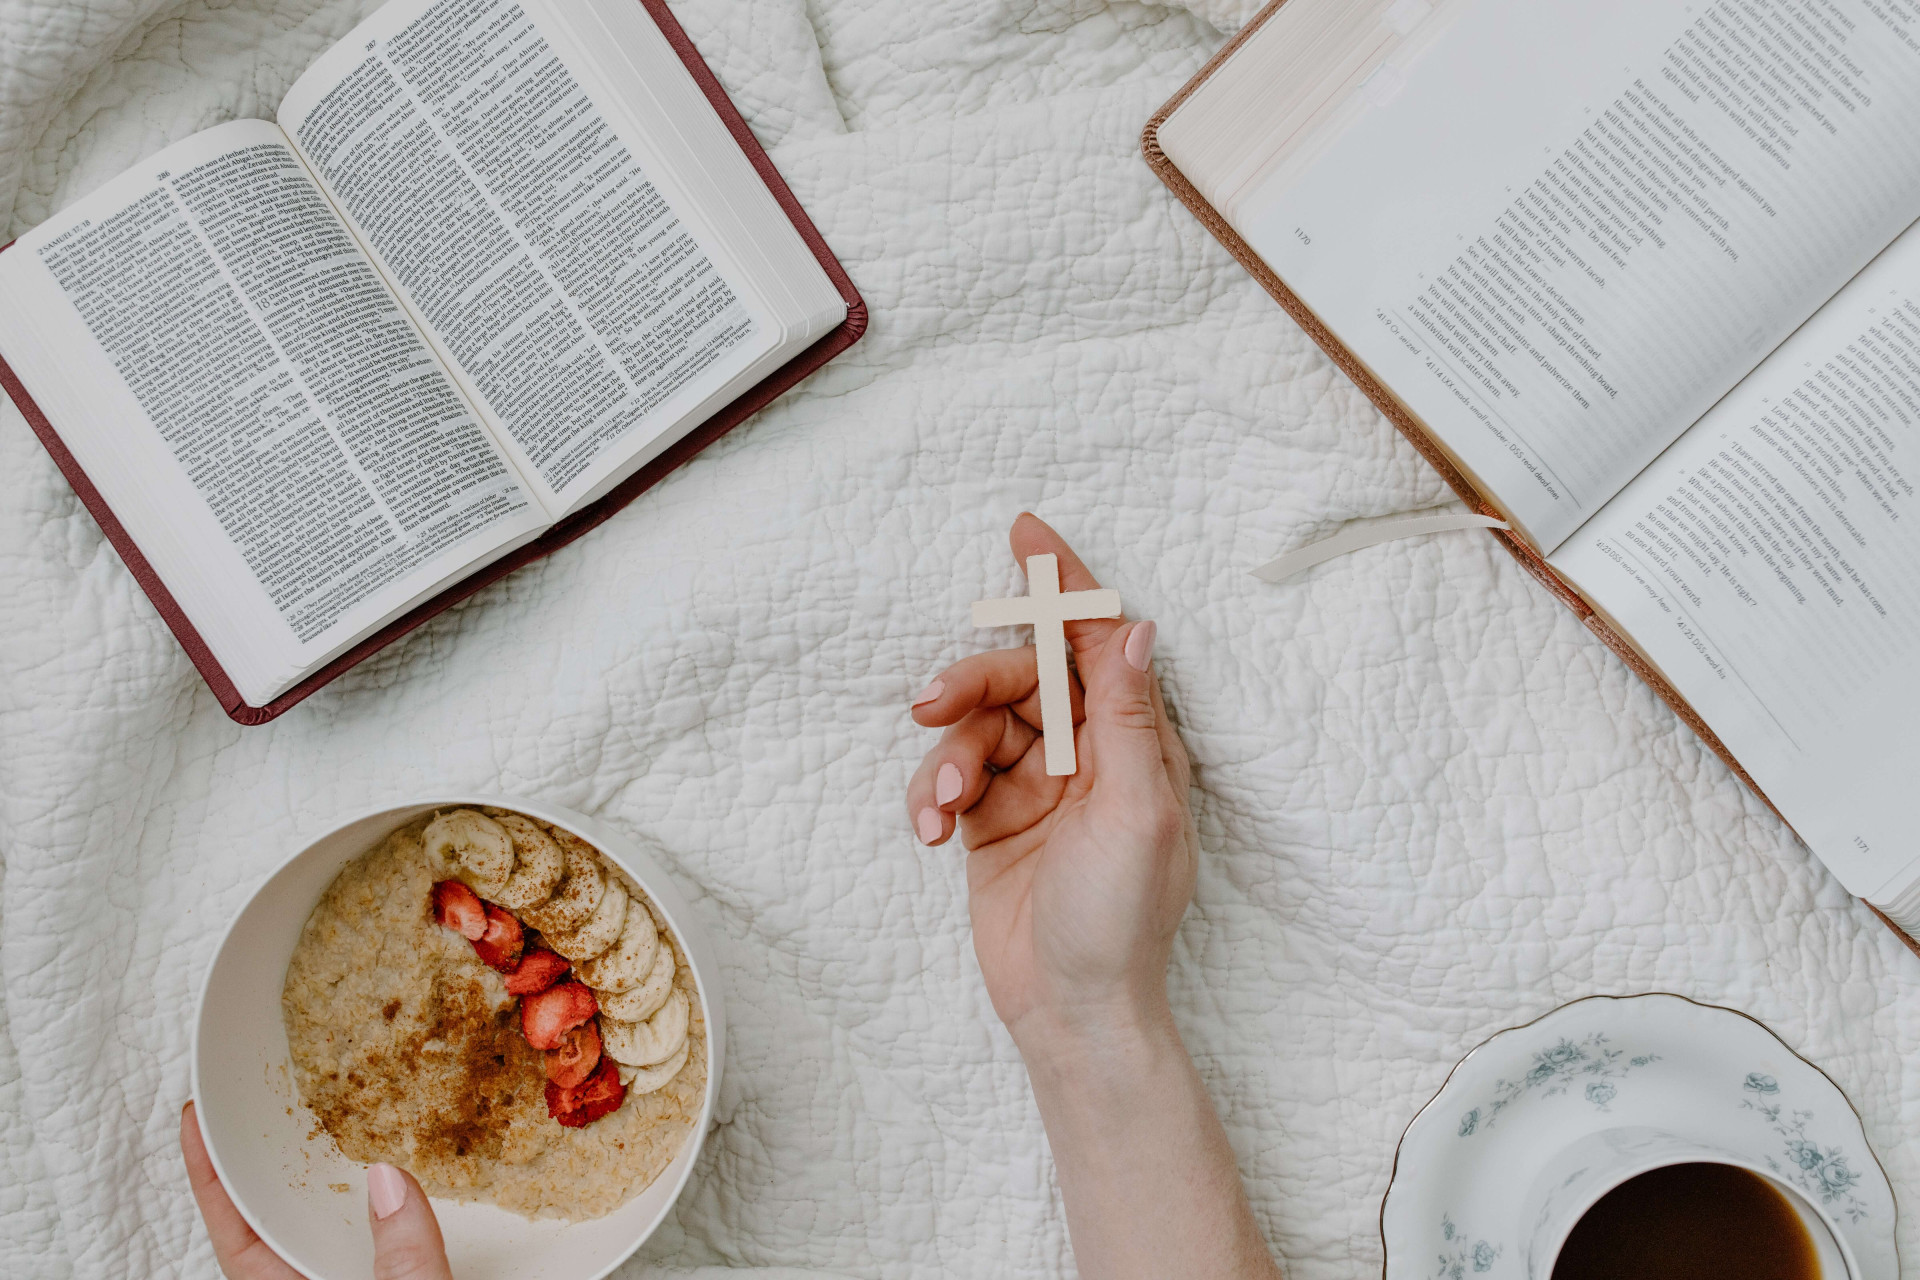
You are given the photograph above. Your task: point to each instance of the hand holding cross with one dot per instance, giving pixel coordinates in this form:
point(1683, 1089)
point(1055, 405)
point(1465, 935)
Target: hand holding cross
point(1049, 609)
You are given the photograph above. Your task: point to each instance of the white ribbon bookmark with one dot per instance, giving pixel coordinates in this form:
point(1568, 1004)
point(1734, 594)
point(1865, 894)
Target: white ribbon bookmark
point(1371, 533)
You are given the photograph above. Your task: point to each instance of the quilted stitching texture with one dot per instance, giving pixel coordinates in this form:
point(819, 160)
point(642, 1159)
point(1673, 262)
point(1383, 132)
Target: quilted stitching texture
point(1431, 804)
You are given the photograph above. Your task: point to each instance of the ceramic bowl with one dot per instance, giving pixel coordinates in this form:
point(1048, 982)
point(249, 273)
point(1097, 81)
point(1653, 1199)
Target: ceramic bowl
point(308, 1201)
point(1535, 1125)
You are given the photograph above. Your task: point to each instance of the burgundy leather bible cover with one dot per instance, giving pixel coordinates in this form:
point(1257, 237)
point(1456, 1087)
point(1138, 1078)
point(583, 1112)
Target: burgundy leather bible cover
point(1412, 428)
point(754, 400)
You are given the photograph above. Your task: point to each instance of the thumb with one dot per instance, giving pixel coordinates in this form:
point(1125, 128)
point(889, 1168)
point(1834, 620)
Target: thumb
point(1122, 725)
point(406, 1236)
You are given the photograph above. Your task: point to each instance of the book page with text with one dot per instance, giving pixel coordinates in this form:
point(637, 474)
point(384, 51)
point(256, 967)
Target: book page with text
point(1572, 227)
point(1769, 563)
point(254, 403)
point(563, 278)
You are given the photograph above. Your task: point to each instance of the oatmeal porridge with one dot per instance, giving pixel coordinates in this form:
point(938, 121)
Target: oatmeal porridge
point(486, 1002)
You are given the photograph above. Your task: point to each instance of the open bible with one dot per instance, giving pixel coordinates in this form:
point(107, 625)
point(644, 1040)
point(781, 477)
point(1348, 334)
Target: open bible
point(1638, 278)
point(496, 267)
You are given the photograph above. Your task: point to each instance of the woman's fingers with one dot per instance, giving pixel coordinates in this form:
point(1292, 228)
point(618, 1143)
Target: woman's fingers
point(406, 1236)
point(958, 767)
point(999, 678)
point(954, 775)
point(991, 703)
point(1128, 750)
point(1018, 799)
point(242, 1254)
point(1032, 536)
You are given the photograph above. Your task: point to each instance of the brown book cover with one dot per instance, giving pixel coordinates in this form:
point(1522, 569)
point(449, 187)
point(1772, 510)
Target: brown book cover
point(1411, 427)
point(750, 403)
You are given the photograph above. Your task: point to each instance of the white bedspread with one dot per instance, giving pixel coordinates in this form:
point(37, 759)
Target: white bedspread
point(1431, 805)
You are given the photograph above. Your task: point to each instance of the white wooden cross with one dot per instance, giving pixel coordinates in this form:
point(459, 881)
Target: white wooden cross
point(1049, 610)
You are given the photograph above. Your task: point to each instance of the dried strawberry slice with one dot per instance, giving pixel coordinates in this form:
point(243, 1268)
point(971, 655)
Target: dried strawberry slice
point(547, 1015)
point(600, 1095)
point(500, 945)
point(579, 1053)
point(537, 970)
point(459, 909)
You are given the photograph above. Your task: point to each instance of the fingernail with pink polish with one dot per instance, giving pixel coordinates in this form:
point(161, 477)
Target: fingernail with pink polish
point(947, 784)
point(929, 693)
point(1139, 648)
point(386, 1189)
point(930, 825)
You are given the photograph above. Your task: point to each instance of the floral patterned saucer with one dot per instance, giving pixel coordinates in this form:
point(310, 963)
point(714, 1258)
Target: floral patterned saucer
point(1465, 1202)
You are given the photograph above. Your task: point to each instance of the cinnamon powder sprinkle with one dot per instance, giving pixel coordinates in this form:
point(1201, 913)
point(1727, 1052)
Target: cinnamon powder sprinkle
point(492, 1067)
point(464, 1057)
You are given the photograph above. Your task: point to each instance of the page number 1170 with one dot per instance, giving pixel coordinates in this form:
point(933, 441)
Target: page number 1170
point(1302, 236)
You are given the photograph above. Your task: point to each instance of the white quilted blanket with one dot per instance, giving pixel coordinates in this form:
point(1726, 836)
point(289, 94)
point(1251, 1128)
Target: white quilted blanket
point(1431, 805)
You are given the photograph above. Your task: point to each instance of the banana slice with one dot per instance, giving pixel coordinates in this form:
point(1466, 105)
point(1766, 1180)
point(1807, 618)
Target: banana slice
point(538, 864)
point(647, 1079)
point(601, 930)
point(477, 848)
point(626, 964)
point(642, 1044)
point(576, 898)
point(644, 1000)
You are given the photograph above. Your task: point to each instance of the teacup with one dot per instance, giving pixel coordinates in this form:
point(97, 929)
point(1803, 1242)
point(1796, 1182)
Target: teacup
point(1540, 1122)
point(1576, 1179)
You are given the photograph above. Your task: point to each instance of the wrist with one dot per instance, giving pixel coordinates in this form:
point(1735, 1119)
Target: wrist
point(1090, 1040)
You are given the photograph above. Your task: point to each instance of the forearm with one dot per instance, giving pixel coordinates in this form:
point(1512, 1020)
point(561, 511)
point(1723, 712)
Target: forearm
point(1150, 1183)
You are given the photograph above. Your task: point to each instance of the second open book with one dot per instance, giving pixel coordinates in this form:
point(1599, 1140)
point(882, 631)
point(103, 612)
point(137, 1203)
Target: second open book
point(494, 259)
point(1638, 276)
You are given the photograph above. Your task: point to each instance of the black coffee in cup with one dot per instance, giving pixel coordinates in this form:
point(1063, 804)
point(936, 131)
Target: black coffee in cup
point(1690, 1222)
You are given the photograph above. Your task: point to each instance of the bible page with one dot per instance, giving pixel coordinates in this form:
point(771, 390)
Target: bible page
point(1564, 230)
point(1769, 564)
point(566, 279)
point(254, 404)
